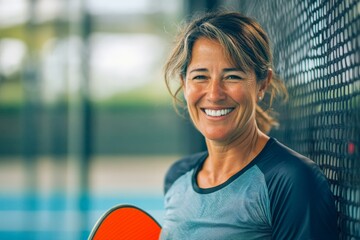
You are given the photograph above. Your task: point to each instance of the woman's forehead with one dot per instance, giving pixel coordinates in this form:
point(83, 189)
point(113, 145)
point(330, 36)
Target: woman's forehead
point(206, 49)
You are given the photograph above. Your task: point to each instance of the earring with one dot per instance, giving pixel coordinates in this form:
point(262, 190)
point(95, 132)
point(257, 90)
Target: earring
point(259, 98)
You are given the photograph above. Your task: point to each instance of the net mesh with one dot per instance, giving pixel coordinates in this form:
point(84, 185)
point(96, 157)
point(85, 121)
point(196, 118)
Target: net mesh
point(316, 52)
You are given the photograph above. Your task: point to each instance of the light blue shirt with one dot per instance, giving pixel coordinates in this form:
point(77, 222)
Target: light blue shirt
point(239, 210)
point(279, 195)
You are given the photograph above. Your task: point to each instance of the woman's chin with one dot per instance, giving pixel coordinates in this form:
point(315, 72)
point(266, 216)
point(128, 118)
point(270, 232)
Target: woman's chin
point(216, 136)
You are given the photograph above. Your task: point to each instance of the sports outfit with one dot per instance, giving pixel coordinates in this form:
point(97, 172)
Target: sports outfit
point(279, 195)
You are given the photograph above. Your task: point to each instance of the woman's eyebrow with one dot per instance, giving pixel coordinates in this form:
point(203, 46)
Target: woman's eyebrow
point(232, 70)
point(224, 70)
point(199, 70)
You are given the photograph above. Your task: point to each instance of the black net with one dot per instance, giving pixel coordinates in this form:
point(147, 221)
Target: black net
point(316, 52)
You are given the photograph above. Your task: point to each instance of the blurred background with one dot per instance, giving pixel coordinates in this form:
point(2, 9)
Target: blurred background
point(86, 121)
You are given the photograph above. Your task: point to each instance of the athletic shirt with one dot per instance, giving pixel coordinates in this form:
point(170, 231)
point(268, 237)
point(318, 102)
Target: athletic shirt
point(279, 195)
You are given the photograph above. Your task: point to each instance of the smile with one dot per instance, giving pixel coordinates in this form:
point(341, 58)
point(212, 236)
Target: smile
point(218, 113)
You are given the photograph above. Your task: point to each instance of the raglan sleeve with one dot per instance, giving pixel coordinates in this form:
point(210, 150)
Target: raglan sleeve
point(301, 203)
point(180, 167)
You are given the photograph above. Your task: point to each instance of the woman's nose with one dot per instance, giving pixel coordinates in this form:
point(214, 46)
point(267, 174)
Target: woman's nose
point(216, 91)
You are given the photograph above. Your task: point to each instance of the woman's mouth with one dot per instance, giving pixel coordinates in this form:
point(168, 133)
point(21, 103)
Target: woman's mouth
point(217, 112)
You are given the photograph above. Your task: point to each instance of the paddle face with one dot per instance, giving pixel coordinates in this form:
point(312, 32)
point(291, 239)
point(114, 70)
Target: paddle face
point(125, 222)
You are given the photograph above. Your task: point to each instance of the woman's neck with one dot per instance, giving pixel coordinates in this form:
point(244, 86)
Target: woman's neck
point(224, 160)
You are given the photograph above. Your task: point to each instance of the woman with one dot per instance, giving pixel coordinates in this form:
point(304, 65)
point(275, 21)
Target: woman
point(246, 185)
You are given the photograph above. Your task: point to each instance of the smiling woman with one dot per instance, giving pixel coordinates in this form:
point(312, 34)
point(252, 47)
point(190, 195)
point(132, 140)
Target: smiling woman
point(246, 48)
point(218, 94)
point(247, 185)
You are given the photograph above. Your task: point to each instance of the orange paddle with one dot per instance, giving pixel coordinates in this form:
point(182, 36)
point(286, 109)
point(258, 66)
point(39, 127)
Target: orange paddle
point(125, 222)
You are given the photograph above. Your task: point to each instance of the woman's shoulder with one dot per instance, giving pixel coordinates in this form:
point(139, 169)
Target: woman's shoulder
point(285, 164)
point(182, 166)
point(277, 154)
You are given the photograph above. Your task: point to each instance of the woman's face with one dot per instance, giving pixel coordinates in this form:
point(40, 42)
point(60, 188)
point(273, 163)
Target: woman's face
point(221, 98)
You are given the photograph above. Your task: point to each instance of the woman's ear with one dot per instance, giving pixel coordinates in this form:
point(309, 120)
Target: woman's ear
point(264, 84)
point(267, 81)
point(183, 85)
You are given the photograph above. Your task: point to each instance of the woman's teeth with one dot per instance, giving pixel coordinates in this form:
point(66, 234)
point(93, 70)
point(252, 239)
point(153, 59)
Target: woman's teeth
point(218, 113)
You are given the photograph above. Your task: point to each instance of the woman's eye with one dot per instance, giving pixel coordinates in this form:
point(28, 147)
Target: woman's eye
point(233, 77)
point(199, 77)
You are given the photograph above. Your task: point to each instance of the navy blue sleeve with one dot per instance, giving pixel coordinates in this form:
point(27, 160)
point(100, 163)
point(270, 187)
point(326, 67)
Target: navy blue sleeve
point(180, 167)
point(302, 205)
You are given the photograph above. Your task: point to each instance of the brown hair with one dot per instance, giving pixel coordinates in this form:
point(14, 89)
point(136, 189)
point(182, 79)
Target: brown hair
point(245, 43)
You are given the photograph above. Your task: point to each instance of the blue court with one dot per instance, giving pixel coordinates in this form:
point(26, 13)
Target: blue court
point(34, 217)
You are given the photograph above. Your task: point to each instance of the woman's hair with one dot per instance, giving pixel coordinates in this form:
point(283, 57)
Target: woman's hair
point(246, 44)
